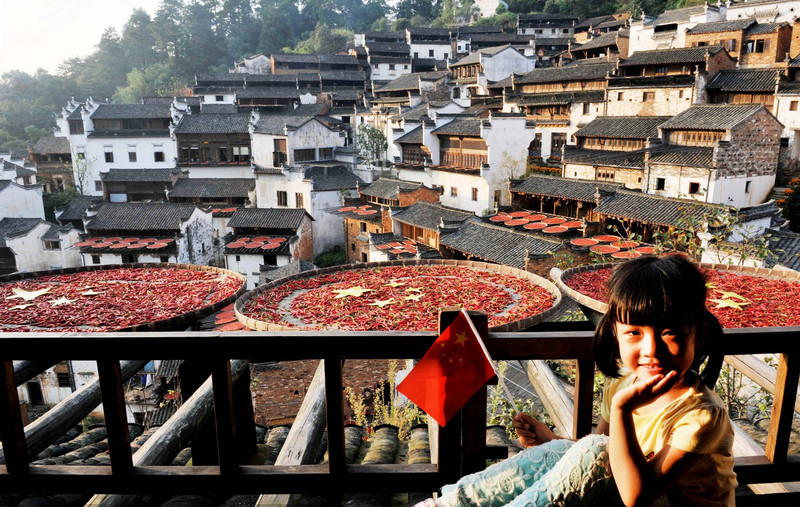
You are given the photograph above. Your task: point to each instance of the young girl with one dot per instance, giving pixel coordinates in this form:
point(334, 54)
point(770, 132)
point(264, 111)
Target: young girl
point(669, 438)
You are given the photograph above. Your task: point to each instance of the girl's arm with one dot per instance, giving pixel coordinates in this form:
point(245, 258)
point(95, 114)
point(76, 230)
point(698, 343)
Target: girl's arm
point(638, 480)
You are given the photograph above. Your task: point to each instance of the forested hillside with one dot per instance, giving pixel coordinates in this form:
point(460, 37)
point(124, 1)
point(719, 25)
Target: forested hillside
point(159, 54)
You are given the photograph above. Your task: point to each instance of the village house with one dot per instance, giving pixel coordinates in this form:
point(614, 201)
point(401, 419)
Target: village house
point(461, 38)
point(429, 42)
point(543, 26)
point(668, 29)
point(471, 158)
point(52, 158)
point(404, 130)
point(570, 198)
point(219, 192)
point(424, 221)
point(256, 64)
point(664, 82)
point(125, 233)
point(20, 201)
point(215, 142)
point(596, 26)
point(745, 86)
point(139, 185)
point(559, 100)
point(115, 136)
point(786, 108)
point(472, 74)
point(75, 212)
point(411, 89)
point(753, 44)
point(549, 50)
point(32, 244)
point(608, 44)
point(17, 172)
point(764, 11)
point(287, 63)
point(318, 190)
point(267, 237)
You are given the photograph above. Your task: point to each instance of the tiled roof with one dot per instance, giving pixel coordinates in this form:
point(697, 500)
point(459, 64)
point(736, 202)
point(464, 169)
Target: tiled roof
point(733, 25)
point(607, 39)
point(411, 81)
point(630, 159)
point(412, 137)
point(498, 244)
point(795, 62)
point(652, 209)
point(342, 75)
point(479, 29)
point(211, 188)
point(10, 227)
point(168, 368)
point(19, 170)
point(295, 58)
point(268, 218)
point(460, 127)
point(48, 145)
point(135, 175)
point(570, 18)
point(214, 124)
point(132, 111)
point(712, 117)
point(206, 108)
point(415, 113)
point(677, 15)
point(593, 22)
point(269, 92)
point(792, 88)
point(276, 123)
point(675, 80)
point(388, 47)
point(76, 114)
point(264, 79)
point(566, 73)
point(421, 30)
point(551, 186)
point(5, 183)
point(475, 57)
point(684, 155)
point(667, 56)
point(338, 59)
point(429, 215)
point(388, 188)
point(745, 80)
point(55, 231)
point(540, 99)
point(623, 127)
point(270, 273)
point(331, 178)
point(141, 216)
point(762, 28)
point(387, 34)
point(784, 247)
point(77, 207)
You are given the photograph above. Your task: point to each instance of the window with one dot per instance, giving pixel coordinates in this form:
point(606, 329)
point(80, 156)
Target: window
point(63, 379)
point(131, 153)
point(661, 183)
point(793, 105)
point(109, 153)
point(453, 191)
point(305, 155)
point(364, 257)
point(298, 200)
point(538, 31)
point(416, 54)
point(377, 66)
point(649, 97)
point(747, 187)
point(496, 197)
point(680, 94)
point(164, 258)
point(474, 194)
point(585, 108)
point(352, 247)
point(662, 70)
point(241, 153)
point(98, 186)
point(731, 45)
point(158, 154)
point(391, 66)
point(238, 258)
point(283, 199)
point(430, 53)
point(76, 127)
point(363, 226)
point(694, 188)
point(81, 155)
point(619, 95)
point(405, 67)
point(52, 245)
point(325, 154)
point(456, 92)
point(565, 30)
point(130, 258)
point(219, 98)
point(95, 259)
point(552, 30)
point(270, 260)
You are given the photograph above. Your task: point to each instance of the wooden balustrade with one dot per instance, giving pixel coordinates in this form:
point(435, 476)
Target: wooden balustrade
point(457, 449)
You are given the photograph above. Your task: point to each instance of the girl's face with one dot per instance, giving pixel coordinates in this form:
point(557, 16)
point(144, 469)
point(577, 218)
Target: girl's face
point(655, 350)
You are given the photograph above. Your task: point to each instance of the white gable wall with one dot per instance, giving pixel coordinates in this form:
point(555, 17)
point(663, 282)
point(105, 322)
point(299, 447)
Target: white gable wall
point(21, 202)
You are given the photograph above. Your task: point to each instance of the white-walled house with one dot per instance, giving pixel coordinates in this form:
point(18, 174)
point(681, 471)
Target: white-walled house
point(293, 139)
point(17, 172)
point(119, 136)
point(124, 233)
point(31, 244)
point(267, 237)
point(410, 119)
point(473, 73)
point(17, 201)
point(668, 29)
point(429, 42)
point(318, 190)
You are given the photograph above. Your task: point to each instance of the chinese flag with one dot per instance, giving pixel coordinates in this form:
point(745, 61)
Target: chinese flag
point(450, 372)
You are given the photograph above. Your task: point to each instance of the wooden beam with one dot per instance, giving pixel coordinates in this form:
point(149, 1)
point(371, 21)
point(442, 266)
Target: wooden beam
point(224, 415)
point(26, 370)
point(584, 398)
point(11, 428)
point(119, 439)
point(780, 425)
point(554, 397)
point(334, 411)
point(759, 372)
point(473, 439)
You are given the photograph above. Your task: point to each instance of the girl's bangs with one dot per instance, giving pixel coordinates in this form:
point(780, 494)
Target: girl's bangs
point(655, 299)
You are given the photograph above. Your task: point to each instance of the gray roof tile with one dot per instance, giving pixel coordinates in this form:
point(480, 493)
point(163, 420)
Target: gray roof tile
point(677, 15)
point(331, 178)
point(411, 81)
point(675, 80)
point(712, 117)
point(551, 186)
point(460, 127)
point(130, 111)
point(388, 188)
point(684, 155)
point(762, 28)
point(652, 209)
point(411, 137)
point(214, 124)
point(10, 227)
point(733, 25)
point(212, 188)
point(667, 56)
point(498, 244)
point(475, 57)
point(542, 99)
point(76, 209)
point(630, 159)
point(566, 73)
point(134, 175)
point(784, 247)
point(429, 215)
point(745, 80)
point(623, 127)
point(605, 40)
point(54, 145)
point(141, 216)
point(268, 218)
point(55, 231)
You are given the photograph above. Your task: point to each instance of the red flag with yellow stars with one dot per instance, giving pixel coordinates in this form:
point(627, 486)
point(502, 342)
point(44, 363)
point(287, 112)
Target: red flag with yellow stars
point(450, 372)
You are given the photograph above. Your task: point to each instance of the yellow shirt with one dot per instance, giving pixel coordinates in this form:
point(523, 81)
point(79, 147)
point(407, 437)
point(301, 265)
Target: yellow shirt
point(697, 422)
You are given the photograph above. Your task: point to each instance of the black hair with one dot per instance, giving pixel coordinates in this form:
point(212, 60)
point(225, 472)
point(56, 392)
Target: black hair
point(647, 290)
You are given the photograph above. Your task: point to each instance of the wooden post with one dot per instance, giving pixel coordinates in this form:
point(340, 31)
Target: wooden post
point(449, 446)
point(335, 415)
point(780, 424)
point(11, 428)
point(193, 374)
point(473, 439)
point(584, 396)
point(224, 415)
point(119, 439)
point(26, 370)
point(245, 418)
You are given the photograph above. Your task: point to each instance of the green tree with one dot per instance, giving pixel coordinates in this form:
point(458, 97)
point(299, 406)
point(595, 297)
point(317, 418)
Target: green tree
point(371, 141)
point(138, 40)
point(323, 40)
point(280, 25)
point(239, 27)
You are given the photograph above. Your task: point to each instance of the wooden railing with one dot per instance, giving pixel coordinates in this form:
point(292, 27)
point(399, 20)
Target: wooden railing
point(460, 445)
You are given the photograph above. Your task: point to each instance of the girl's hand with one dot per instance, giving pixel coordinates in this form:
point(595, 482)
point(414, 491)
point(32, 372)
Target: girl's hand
point(640, 394)
point(531, 431)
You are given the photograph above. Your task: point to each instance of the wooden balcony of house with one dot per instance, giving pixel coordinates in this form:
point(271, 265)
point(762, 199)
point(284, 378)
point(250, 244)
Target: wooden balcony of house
point(456, 449)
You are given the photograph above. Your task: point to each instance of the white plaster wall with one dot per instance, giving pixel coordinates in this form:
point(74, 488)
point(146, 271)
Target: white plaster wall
point(21, 202)
point(312, 135)
point(507, 141)
point(250, 266)
point(196, 244)
point(731, 190)
point(777, 11)
point(668, 101)
point(328, 228)
point(382, 72)
point(211, 98)
point(110, 258)
point(790, 119)
point(464, 183)
point(441, 51)
point(263, 146)
point(66, 256)
point(504, 63)
point(28, 249)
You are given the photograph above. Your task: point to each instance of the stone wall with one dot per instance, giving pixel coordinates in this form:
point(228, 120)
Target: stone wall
point(779, 44)
point(753, 147)
point(421, 194)
point(305, 247)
